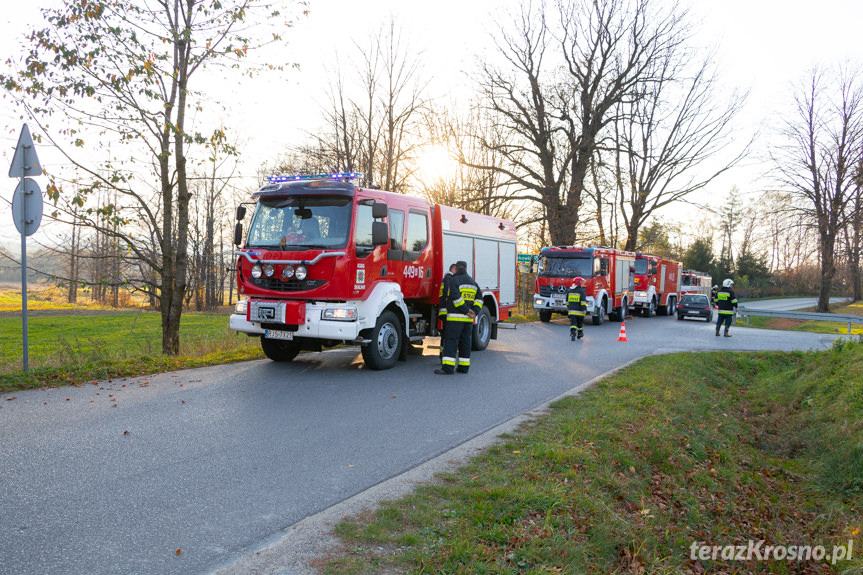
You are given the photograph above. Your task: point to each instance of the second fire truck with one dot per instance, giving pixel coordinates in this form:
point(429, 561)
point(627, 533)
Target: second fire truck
point(609, 276)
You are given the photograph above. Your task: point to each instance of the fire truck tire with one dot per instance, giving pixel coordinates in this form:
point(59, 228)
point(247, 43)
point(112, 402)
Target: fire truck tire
point(599, 313)
point(481, 330)
point(387, 339)
point(671, 307)
point(279, 350)
point(650, 310)
point(544, 316)
point(621, 313)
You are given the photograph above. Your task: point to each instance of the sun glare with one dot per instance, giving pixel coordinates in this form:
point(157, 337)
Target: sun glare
point(435, 164)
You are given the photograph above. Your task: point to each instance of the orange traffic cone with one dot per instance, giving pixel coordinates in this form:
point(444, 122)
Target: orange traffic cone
point(622, 336)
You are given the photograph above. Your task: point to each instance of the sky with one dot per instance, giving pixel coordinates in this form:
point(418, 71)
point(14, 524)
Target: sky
point(763, 46)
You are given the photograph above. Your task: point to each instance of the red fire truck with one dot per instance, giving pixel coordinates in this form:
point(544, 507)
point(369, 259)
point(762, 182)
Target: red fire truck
point(609, 276)
point(327, 263)
point(695, 282)
point(657, 285)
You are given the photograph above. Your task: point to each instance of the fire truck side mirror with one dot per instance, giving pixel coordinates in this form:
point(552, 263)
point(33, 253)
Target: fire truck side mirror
point(238, 234)
point(380, 233)
point(379, 210)
point(241, 212)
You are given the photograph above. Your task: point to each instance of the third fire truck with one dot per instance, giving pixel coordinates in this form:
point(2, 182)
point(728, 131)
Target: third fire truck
point(657, 285)
point(609, 276)
point(695, 282)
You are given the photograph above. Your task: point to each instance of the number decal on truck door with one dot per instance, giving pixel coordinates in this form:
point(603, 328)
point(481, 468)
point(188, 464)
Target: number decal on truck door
point(414, 271)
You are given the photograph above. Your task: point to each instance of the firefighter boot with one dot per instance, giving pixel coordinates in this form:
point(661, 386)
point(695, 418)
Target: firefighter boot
point(717, 331)
point(726, 334)
point(580, 334)
point(572, 334)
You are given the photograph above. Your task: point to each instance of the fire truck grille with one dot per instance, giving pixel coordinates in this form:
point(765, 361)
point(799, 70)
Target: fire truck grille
point(278, 284)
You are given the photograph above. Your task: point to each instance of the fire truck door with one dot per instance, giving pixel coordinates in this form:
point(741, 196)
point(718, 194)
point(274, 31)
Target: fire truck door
point(662, 278)
point(417, 264)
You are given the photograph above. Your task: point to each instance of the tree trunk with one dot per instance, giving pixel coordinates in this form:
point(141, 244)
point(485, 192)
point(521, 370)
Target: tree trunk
point(828, 270)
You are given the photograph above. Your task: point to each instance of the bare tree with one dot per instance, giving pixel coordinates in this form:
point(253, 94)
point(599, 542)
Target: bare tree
point(818, 163)
point(122, 72)
point(556, 113)
point(372, 126)
point(665, 137)
point(853, 232)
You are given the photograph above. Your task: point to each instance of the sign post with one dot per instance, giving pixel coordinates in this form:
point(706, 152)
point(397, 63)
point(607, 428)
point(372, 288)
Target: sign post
point(524, 262)
point(26, 212)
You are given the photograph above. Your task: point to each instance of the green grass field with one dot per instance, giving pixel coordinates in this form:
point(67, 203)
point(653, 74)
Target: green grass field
point(716, 448)
point(70, 348)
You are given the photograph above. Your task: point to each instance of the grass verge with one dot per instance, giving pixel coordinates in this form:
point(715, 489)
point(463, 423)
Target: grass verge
point(811, 325)
point(70, 349)
point(717, 448)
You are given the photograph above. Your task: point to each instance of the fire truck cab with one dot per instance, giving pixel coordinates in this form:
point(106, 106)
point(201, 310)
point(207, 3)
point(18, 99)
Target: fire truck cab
point(609, 276)
point(657, 285)
point(326, 263)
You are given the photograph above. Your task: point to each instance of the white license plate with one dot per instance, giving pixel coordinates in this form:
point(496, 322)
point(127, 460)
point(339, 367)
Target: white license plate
point(559, 301)
point(277, 334)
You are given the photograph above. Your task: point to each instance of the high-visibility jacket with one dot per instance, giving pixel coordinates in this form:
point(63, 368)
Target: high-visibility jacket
point(441, 301)
point(461, 294)
point(576, 301)
point(726, 301)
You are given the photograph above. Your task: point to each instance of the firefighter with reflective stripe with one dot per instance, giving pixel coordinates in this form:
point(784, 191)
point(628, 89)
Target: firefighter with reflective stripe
point(441, 312)
point(576, 303)
point(726, 305)
point(464, 302)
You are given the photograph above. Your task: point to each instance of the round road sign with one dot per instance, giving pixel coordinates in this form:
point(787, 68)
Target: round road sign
point(27, 206)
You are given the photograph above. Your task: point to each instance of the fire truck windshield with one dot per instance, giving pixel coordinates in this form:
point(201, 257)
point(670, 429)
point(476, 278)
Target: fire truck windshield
point(640, 266)
point(300, 223)
point(567, 267)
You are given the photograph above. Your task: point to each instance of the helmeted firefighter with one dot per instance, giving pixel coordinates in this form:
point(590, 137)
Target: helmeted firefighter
point(576, 304)
point(726, 305)
point(441, 314)
point(464, 302)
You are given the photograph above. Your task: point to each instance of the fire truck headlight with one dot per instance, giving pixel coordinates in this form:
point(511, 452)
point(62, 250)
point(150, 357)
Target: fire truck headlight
point(641, 294)
point(301, 272)
point(538, 301)
point(240, 308)
point(341, 314)
point(287, 272)
point(269, 270)
point(257, 271)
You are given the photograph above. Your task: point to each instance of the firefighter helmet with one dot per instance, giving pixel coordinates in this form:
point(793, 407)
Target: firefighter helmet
point(578, 281)
point(728, 282)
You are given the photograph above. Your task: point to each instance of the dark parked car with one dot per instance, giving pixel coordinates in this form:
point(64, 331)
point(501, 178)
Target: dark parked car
point(695, 305)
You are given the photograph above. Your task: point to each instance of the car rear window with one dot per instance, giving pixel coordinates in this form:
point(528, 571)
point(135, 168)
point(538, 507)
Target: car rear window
point(694, 299)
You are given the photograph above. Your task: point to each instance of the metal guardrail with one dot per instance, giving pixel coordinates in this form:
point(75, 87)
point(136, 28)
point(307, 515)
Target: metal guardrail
point(805, 315)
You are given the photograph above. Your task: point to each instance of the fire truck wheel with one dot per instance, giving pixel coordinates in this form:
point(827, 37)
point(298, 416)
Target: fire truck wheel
point(387, 339)
point(671, 307)
point(599, 313)
point(650, 310)
point(279, 350)
point(482, 330)
point(544, 316)
point(622, 312)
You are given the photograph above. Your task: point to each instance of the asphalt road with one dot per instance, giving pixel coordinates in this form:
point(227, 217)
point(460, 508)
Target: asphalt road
point(117, 477)
point(788, 304)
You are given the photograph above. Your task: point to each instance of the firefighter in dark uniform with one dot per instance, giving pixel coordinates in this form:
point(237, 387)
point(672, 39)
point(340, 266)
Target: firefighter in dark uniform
point(576, 303)
point(726, 305)
point(461, 295)
point(441, 312)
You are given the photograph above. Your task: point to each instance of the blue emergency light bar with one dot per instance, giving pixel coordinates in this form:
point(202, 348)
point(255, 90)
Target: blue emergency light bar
point(343, 176)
